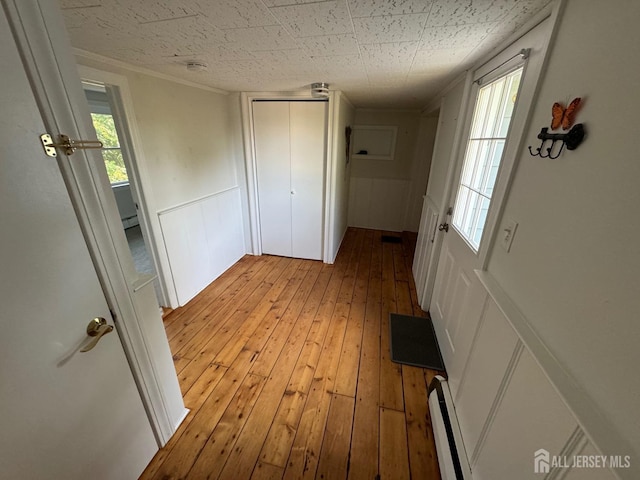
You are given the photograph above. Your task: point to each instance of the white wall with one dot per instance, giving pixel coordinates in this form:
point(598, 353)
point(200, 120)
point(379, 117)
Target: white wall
point(382, 191)
point(191, 150)
point(553, 324)
point(420, 167)
point(574, 267)
point(345, 116)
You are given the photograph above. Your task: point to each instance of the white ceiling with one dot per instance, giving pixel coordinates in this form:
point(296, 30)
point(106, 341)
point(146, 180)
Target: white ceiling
point(381, 53)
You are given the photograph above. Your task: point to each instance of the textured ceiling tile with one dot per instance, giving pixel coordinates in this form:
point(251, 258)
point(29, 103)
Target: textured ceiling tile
point(342, 66)
point(390, 28)
point(455, 36)
point(373, 8)
point(280, 3)
point(261, 38)
point(308, 20)
point(389, 55)
point(330, 45)
point(520, 14)
point(154, 10)
point(427, 61)
point(236, 14)
point(457, 12)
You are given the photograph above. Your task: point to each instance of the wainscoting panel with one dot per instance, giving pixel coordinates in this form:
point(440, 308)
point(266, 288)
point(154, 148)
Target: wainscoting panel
point(494, 349)
point(378, 203)
point(530, 416)
point(203, 238)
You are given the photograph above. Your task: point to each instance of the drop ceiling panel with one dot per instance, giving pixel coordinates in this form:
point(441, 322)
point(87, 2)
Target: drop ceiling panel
point(389, 28)
point(374, 8)
point(312, 19)
point(379, 52)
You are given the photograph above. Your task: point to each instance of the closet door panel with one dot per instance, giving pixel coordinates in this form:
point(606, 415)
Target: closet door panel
point(272, 140)
point(308, 134)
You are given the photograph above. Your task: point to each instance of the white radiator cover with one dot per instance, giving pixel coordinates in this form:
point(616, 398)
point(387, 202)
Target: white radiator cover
point(452, 456)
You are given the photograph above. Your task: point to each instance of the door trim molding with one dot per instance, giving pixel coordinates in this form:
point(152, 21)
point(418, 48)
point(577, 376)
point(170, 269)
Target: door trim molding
point(246, 100)
point(139, 173)
point(37, 25)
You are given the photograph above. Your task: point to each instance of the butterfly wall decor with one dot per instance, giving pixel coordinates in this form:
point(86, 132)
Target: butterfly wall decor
point(561, 117)
point(564, 117)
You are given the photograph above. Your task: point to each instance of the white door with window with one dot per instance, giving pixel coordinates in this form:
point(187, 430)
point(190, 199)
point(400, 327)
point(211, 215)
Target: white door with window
point(496, 110)
point(66, 414)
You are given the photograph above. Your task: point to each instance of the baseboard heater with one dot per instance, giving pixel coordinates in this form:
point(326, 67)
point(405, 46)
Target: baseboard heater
point(452, 457)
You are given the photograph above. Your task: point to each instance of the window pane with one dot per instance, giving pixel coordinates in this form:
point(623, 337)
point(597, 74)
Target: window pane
point(491, 118)
point(105, 129)
point(115, 166)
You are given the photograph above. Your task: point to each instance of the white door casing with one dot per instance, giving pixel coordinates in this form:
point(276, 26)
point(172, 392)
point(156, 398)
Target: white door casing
point(453, 293)
point(66, 414)
point(40, 36)
point(289, 140)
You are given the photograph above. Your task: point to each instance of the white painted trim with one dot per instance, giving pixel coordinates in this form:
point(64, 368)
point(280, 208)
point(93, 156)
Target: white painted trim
point(591, 419)
point(140, 177)
point(46, 54)
point(164, 211)
point(331, 145)
point(246, 100)
point(134, 68)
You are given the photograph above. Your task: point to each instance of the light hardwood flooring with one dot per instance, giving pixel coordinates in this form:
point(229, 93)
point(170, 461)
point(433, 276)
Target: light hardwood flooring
point(285, 366)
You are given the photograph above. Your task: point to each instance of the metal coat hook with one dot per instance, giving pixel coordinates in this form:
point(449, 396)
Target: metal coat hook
point(572, 139)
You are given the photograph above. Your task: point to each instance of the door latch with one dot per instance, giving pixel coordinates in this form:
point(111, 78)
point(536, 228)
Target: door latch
point(69, 145)
point(443, 227)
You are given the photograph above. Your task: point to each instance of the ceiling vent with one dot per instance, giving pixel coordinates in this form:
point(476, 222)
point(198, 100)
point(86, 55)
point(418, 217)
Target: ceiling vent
point(320, 90)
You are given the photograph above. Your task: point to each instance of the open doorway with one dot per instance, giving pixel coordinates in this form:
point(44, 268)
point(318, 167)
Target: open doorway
point(110, 130)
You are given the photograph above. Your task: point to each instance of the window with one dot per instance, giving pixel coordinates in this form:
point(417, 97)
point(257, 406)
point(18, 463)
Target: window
point(491, 118)
point(111, 152)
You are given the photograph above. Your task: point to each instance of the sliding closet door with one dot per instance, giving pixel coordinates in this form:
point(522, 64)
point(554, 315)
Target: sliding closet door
point(307, 177)
point(273, 158)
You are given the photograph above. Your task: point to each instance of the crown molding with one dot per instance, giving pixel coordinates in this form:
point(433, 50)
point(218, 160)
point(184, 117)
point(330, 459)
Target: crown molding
point(80, 54)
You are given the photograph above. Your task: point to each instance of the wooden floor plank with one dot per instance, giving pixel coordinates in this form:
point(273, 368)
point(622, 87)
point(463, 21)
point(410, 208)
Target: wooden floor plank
point(216, 451)
point(394, 455)
point(285, 367)
point(423, 460)
point(390, 373)
point(334, 456)
point(264, 471)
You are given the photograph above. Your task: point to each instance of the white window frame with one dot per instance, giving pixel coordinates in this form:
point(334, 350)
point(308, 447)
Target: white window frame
point(489, 79)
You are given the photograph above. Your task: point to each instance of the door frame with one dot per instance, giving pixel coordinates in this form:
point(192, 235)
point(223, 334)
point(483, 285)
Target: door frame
point(37, 26)
point(246, 102)
point(136, 168)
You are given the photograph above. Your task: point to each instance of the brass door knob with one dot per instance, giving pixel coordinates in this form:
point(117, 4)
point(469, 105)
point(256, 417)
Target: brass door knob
point(97, 328)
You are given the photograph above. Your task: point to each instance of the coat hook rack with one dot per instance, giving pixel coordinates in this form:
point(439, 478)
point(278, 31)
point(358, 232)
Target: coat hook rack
point(572, 139)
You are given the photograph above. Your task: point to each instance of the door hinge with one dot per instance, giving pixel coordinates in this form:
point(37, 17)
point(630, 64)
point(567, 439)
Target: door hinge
point(64, 142)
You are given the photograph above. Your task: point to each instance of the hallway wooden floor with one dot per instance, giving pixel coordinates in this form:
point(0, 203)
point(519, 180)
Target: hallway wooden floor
point(284, 364)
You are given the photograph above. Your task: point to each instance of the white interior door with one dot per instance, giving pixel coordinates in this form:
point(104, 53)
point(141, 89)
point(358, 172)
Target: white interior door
point(290, 151)
point(66, 414)
point(273, 158)
point(308, 136)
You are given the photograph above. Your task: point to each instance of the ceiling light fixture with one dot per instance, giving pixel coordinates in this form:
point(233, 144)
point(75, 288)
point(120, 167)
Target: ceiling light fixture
point(320, 90)
point(197, 67)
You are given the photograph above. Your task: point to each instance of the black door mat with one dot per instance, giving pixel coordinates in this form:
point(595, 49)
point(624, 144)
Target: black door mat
point(391, 239)
point(413, 342)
